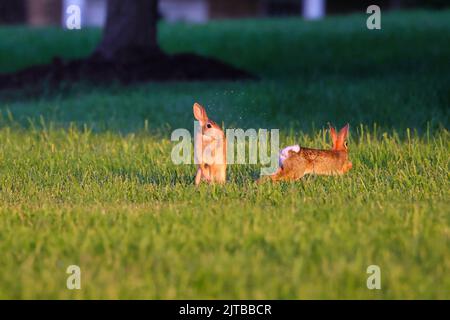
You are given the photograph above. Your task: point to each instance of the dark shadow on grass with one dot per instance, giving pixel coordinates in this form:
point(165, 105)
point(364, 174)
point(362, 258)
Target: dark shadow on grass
point(60, 75)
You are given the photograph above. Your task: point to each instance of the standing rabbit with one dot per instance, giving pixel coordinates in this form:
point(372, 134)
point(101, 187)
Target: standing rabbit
point(210, 149)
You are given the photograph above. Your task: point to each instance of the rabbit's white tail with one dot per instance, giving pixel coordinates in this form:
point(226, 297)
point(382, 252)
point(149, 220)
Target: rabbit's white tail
point(285, 153)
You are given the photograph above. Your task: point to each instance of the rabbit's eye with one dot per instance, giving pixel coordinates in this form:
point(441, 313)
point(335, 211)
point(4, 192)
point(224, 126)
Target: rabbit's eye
point(208, 125)
point(345, 144)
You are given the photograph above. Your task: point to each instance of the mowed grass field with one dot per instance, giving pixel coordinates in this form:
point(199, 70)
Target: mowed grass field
point(86, 176)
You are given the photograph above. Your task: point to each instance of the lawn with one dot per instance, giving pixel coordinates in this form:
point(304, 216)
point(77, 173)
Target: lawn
point(86, 176)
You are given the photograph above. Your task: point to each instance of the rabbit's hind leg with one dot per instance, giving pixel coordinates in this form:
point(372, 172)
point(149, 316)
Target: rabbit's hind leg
point(293, 170)
point(266, 178)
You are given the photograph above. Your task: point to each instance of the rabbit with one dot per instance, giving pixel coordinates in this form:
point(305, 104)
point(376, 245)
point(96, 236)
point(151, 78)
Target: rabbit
point(210, 149)
point(295, 164)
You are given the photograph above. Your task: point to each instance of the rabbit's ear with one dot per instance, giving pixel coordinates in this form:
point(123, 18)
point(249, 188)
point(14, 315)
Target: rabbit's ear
point(342, 136)
point(200, 114)
point(333, 136)
point(343, 133)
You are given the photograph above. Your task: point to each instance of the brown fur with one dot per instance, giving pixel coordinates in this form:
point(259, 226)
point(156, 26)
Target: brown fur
point(315, 161)
point(211, 138)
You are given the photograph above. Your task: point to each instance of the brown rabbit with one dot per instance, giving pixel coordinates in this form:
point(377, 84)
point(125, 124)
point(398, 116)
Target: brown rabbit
point(314, 161)
point(210, 149)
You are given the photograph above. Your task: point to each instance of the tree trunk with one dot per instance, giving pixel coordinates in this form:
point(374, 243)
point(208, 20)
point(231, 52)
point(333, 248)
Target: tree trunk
point(130, 31)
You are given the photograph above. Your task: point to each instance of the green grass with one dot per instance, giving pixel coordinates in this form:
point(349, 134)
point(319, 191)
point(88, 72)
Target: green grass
point(86, 176)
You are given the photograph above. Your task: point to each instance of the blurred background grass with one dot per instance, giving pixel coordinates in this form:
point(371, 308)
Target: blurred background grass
point(312, 72)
